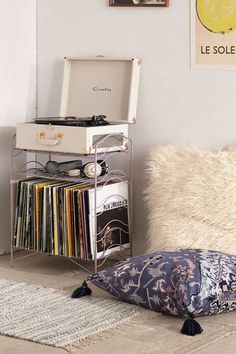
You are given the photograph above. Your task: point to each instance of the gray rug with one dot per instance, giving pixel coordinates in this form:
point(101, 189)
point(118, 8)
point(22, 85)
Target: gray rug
point(43, 315)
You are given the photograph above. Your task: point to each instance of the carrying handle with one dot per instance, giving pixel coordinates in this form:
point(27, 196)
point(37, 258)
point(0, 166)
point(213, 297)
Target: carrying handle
point(49, 142)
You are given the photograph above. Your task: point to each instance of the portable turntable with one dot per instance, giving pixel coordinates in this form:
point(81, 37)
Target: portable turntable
point(104, 91)
point(94, 121)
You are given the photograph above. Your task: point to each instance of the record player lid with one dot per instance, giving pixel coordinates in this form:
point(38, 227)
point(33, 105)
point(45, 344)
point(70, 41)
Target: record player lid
point(100, 85)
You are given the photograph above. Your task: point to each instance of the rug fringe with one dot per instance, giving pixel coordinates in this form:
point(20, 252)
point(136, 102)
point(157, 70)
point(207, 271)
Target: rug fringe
point(118, 329)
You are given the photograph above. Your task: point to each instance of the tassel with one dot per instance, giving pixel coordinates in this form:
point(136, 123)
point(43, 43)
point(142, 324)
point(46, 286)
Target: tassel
point(84, 290)
point(191, 327)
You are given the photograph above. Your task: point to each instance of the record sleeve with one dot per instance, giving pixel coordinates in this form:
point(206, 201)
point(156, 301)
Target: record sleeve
point(112, 232)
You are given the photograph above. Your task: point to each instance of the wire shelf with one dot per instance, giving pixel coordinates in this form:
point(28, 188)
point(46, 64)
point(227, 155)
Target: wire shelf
point(111, 177)
point(24, 170)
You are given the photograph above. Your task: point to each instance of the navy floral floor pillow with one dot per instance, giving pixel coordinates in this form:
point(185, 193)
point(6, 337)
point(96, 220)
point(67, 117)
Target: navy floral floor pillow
point(186, 283)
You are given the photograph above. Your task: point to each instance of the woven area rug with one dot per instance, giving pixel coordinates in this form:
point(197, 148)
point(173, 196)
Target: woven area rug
point(43, 315)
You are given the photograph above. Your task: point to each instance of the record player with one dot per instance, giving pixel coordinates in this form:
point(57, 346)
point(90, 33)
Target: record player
point(99, 99)
point(94, 121)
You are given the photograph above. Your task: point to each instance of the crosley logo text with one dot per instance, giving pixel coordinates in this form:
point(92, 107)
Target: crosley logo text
point(101, 89)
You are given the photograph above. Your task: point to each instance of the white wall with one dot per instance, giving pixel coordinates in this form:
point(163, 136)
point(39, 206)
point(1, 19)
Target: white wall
point(176, 105)
point(17, 89)
point(17, 60)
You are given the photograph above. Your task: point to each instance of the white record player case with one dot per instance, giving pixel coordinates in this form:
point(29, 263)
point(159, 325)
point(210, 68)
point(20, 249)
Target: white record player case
point(91, 86)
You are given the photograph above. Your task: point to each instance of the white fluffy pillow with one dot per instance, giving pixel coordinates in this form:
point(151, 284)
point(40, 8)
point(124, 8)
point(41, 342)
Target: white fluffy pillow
point(191, 199)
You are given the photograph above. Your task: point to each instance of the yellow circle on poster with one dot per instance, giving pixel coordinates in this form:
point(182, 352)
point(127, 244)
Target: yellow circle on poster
point(217, 16)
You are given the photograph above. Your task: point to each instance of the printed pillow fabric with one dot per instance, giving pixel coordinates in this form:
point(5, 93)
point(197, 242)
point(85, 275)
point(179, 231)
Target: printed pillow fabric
point(186, 283)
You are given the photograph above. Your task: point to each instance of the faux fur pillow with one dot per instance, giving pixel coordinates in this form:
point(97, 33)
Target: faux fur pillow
point(191, 199)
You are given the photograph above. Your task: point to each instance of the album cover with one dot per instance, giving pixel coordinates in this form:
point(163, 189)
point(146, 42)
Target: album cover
point(112, 232)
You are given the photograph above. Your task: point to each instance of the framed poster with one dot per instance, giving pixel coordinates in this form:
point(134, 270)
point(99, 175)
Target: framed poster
point(213, 34)
point(137, 3)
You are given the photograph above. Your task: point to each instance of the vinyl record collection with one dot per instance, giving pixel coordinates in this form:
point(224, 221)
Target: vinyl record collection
point(57, 217)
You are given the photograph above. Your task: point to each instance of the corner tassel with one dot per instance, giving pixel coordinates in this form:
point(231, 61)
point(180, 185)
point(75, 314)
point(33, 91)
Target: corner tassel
point(84, 290)
point(191, 327)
